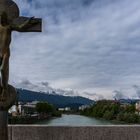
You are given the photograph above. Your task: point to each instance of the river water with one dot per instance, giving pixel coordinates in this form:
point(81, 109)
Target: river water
point(75, 120)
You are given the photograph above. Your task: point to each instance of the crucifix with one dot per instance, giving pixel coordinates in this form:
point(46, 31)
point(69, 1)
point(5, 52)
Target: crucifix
point(10, 20)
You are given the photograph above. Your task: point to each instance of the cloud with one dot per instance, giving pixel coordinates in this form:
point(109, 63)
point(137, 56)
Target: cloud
point(137, 89)
point(46, 84)
point(119, 95)
point(93, 96)
point(85, 44)
point(27, 85)
point(46, 88)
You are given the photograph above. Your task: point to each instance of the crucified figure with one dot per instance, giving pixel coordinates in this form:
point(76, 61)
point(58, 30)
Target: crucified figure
point(5, 39)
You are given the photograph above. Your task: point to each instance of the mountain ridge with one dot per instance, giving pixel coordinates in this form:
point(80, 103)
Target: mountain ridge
point(55, 99)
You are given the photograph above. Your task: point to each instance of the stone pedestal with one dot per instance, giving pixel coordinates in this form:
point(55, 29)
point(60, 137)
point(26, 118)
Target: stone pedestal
point(6, 102)
point(3, 125)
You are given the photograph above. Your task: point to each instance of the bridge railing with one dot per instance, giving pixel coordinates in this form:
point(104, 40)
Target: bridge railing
point(36, 132)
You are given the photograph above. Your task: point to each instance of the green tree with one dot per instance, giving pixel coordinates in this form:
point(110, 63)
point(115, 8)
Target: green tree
point(113, 110)
point(130, 108)
point(44, 107)
point(108, 115)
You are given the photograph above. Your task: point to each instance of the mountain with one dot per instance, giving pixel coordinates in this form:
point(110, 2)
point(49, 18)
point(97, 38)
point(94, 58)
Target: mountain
point(129, 101)
point(55, 99)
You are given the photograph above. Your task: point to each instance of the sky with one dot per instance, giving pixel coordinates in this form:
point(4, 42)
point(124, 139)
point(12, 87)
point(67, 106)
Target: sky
point(87, 47)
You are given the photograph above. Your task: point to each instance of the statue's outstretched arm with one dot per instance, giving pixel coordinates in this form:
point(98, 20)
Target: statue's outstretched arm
point(27, 24)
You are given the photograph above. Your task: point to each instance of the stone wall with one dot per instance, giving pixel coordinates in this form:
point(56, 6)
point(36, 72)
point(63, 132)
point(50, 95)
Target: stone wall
point(74, 132)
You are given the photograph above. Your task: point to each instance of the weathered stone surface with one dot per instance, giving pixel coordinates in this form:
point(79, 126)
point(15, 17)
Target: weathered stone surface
point(3, 125)
point(33, 28)
point(7, 100)
point(10, 8)
point(75, 133)
point(9, 132)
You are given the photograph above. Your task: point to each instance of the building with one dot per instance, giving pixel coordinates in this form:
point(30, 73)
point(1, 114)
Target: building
point(67, 108)
point(83, 107)
point(23, 109)
point(13, 110)
point(137, 105)
point(64, 109)
point(61, 109)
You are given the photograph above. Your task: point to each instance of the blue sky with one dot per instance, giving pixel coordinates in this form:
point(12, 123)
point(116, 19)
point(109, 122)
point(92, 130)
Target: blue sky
point(87, 47)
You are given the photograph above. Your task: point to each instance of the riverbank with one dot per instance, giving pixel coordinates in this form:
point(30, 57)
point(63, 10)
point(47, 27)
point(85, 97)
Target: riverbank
point(113, 111)
point(41, 111)
point(31, 119)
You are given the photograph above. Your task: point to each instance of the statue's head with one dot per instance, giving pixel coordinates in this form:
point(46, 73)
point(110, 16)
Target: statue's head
point(3, 18)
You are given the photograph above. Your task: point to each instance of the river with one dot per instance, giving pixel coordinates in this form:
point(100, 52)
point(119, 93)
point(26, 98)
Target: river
point(77, 120)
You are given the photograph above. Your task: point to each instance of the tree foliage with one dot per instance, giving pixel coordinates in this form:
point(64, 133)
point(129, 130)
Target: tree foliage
point(113, 110)
point(44, 107)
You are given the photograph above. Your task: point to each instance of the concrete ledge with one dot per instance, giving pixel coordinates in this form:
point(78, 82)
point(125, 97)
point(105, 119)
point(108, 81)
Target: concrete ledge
point(34, 132)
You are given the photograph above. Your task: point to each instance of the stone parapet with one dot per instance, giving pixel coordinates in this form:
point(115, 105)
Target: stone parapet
point(37, 132)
